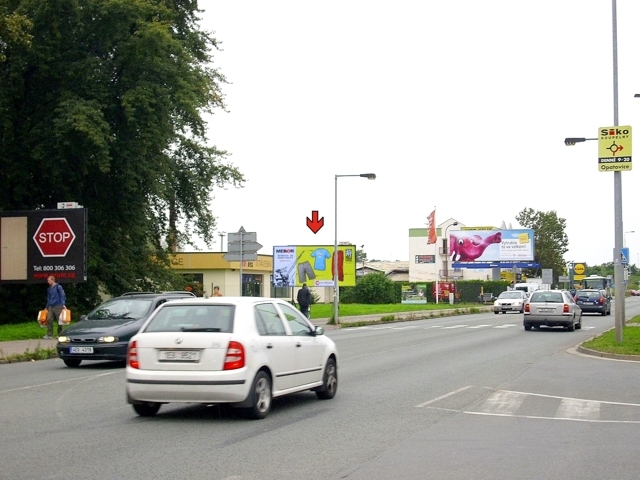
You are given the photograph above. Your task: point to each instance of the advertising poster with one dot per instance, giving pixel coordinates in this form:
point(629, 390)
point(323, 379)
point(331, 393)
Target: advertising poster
point(491, 245)
point(294, 265)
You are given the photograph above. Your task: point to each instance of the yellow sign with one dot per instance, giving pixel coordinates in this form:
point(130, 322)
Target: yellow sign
point(614, 149)
point(577, 278)
point(579, 268)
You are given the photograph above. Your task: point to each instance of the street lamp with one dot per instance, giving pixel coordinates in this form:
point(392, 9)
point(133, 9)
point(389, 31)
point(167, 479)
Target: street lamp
point(625, 237)
point(221, 235)
point(362, 255)
point(336, 287)
point(618, 272)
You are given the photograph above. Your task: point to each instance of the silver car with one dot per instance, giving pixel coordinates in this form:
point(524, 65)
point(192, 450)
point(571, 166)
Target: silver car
point(552, 308)
point(510, 301)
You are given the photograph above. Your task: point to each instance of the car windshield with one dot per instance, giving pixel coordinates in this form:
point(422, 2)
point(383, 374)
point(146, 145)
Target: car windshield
point(510, 295)
point(121, 308)
point(193, 318)
point(547, 297)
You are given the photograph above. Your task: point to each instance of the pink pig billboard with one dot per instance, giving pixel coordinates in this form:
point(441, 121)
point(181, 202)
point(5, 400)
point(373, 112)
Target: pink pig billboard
point(491, 245)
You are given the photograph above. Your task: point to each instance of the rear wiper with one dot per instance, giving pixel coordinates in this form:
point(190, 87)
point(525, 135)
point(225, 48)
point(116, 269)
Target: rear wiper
point(200, 329)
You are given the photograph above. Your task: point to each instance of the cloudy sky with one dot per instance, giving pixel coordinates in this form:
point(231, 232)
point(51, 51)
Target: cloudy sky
point(459, 105)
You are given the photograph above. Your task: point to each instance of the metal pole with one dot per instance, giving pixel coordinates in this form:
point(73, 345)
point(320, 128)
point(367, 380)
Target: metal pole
point(221, 235)
point(618, 273)
point(336, 291)
point(241, 244)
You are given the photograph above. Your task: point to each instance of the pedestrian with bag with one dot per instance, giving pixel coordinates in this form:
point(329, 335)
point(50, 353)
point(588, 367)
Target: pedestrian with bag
point(304, 300)
point(56, 302)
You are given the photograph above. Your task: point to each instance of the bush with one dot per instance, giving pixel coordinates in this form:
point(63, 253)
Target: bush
point(376, 288)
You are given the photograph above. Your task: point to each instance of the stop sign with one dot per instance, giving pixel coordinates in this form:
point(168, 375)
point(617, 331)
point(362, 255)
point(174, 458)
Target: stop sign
point(54, 237)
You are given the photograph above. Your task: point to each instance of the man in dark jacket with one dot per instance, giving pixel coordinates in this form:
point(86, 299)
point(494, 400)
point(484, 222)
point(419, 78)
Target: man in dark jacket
point(304, 300)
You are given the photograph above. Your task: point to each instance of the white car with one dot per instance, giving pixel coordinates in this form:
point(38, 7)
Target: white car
point(242, 351)
point(510, 301)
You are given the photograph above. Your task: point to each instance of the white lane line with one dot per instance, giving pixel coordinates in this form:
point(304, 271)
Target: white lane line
point(506, 325)
point(79, 379)
point(479, 326)
point(443, 396)
point(454, 326)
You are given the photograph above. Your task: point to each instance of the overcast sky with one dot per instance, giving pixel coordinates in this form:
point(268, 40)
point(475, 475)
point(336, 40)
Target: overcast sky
point(459, 105)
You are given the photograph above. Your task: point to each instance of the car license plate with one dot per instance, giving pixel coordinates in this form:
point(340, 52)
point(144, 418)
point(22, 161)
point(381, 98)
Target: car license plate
point(179, 355)
point(545, 310)
point(80, 349)
point(589, 303)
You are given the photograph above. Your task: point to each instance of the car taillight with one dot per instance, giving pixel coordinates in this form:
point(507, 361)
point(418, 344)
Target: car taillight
point(235, 356)
point(565, 308)
point(132, 355)
point(601, 301)
point(526, 307)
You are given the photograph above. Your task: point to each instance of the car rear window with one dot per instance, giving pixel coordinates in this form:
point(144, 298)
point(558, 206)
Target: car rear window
point(549, 297)
point(193, 318)
point(588, 294)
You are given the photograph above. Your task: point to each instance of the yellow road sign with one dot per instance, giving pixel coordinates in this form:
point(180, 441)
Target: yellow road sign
point(579, 268)
point(614, 149)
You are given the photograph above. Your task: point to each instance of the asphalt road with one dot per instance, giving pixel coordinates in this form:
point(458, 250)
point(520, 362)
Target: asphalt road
point(467, 397)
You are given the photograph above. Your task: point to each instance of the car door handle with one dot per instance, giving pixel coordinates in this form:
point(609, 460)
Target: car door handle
point(298, 344)
point(269, 345)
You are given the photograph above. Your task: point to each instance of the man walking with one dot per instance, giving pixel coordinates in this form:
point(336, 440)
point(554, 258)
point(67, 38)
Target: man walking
point(56, 300)
point(304, 300)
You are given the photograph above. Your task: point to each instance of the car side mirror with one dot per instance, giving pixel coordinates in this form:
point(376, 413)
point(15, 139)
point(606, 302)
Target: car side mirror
point(319, 331)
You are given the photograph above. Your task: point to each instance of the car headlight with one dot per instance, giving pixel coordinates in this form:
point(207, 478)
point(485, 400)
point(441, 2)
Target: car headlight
point(108, 339)
point(64, 339)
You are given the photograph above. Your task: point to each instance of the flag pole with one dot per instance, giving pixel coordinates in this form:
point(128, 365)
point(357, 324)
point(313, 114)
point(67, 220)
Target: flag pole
point(437, 256)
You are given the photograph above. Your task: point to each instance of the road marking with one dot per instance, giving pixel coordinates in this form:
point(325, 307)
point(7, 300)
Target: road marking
point(454, 326)
point(506, 325)
point(58, 381)
point(444, 396)
point(480, 326)
point(506, 403)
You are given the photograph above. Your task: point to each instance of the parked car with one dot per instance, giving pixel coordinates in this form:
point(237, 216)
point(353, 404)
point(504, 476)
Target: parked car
point(593, 300)
point(241, 351)
point(552, 308)
point(510, 301)
point(105, 332)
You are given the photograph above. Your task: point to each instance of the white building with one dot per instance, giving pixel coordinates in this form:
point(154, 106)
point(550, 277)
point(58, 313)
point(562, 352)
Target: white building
point(428, 263)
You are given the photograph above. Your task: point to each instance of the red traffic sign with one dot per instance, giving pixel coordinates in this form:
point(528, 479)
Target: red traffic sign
point(54, 237)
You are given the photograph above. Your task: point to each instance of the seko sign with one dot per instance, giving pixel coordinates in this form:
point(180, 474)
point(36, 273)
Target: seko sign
point(40, 243)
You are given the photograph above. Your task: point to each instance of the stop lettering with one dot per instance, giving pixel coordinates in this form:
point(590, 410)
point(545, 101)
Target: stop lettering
point(54, 237)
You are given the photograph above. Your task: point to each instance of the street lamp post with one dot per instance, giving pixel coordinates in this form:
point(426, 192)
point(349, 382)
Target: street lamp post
point(625, 237)
point(336, 287)
point(618, 272)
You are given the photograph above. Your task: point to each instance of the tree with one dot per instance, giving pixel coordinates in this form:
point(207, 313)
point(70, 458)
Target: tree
point(104, 107)
point(14, 29)
point(551, 242)
point(361, 256)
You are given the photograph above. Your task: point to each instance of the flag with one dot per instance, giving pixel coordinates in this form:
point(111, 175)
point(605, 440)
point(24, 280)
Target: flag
point(433, 238)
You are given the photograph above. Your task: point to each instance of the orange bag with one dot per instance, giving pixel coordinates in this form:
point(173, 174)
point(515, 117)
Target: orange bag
point(42, 318)
point(65, 317)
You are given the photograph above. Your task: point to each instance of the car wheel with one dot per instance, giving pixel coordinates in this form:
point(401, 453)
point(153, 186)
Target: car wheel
point(72, 362)
point(527, 327)
point(261, 396)
point(571, 327)
point(604, 311)
point(579, 324)
point(146, 409)
point(329, 381)
point(496, 312)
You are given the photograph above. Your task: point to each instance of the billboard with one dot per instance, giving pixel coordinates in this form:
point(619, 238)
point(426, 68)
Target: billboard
point(491, 245)
point(294, 265)
point(39, 243)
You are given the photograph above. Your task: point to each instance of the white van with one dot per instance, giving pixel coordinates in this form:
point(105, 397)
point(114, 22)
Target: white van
point(527, 288)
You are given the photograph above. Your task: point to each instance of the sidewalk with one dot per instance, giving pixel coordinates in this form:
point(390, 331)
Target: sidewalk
point(18, 347)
